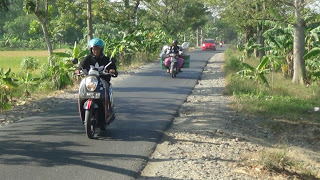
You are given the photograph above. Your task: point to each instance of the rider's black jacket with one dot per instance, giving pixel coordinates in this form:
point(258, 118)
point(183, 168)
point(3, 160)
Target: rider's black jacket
point(174, 49)
point(98, 62)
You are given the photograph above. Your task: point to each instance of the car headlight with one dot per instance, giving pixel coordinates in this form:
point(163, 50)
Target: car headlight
point(91, 83)
point(203, 45)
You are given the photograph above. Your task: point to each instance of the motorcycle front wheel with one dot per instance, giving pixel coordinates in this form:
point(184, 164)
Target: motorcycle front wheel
point(173, 69)
point(90, 128)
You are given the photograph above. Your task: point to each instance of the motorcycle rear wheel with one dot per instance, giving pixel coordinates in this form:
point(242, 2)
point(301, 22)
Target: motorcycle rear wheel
point(90, 128)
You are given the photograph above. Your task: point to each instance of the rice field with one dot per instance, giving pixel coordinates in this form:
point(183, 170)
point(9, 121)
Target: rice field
point(13, 59)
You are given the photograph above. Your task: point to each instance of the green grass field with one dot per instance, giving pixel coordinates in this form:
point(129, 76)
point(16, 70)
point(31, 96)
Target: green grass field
point(13, 59)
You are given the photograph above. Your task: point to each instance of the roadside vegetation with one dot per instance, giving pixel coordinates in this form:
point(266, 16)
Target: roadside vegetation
point(273, 74)
point(287, 111)
point(26, 73)
point(272, 65)
point(133, 31)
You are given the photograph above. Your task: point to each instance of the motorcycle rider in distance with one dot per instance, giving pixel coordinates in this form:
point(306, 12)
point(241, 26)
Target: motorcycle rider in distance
point(174, 48)
point(97, 59)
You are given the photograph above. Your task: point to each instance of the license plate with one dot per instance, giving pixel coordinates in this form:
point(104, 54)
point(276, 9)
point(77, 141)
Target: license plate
point(91, 95)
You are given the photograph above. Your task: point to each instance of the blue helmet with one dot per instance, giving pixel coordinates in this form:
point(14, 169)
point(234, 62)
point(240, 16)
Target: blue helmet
point(96, 42)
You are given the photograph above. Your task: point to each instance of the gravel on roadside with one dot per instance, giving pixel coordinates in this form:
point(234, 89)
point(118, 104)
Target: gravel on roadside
point(202, 143)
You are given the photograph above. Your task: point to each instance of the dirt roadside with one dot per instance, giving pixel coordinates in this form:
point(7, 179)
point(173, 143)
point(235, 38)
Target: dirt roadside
point(208, 139)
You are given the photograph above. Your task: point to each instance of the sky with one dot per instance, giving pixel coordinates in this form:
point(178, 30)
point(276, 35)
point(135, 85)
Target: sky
point(315, 6)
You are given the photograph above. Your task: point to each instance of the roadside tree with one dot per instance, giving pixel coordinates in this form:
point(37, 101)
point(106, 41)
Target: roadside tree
point(42, 15)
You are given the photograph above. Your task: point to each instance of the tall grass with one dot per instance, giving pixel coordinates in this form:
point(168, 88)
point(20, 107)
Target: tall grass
point(283, 161)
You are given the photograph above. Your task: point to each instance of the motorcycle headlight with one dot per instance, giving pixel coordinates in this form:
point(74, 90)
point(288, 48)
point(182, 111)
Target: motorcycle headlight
point(91, 83)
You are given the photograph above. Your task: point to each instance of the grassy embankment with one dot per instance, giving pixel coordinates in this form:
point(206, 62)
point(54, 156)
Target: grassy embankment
point(285, 111)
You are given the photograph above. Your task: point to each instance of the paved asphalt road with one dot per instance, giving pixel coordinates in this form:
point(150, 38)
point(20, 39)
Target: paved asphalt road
point(53, 144)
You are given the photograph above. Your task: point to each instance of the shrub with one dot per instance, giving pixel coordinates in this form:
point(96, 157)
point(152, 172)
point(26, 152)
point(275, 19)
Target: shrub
point(29, 64)
point(59, 72)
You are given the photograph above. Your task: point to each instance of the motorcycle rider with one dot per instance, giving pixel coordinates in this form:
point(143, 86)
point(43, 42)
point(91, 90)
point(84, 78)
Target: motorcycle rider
point(174, 48)
point(97, 59)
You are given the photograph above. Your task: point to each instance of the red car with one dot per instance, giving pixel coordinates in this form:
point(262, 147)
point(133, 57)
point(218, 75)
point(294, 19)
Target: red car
point(208, 44)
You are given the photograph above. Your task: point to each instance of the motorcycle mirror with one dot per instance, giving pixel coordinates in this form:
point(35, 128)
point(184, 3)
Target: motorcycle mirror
point(75, 61)
point(105, 67)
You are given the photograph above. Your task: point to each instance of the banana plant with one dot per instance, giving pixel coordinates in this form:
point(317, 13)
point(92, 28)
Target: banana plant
point(60, 72)
point(7, 78)
point(312, 63)
point(251, 45)
point(312, 37)
point(75, 52)
point(313, 43)
point(258, 73)
point(28, 65)
point(28, 82)
point(279, 47)
point(126, 45)
point(315, 52)
point(7, 84)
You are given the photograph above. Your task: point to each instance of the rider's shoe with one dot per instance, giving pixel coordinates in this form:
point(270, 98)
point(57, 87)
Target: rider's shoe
point(180, 70)
point(168, 71)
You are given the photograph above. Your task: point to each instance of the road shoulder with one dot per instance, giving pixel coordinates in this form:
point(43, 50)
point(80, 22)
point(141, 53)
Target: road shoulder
point(200, 143)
